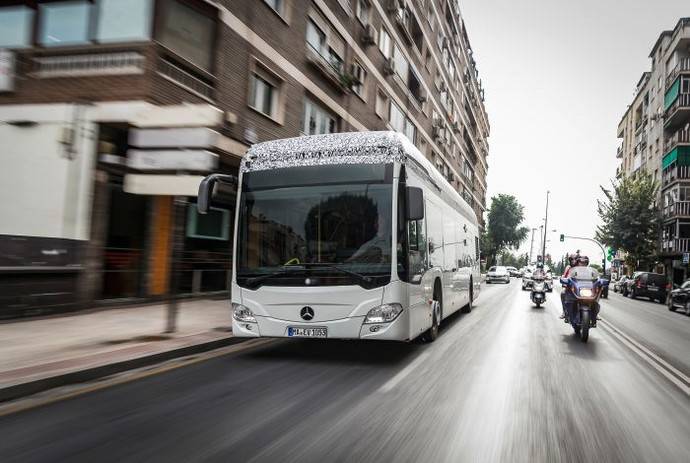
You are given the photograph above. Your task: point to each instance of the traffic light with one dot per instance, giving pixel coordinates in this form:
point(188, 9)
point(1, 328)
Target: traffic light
point(562, 237)
point(611, 255)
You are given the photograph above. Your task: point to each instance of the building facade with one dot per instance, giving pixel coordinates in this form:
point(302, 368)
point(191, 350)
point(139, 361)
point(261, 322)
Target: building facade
point(111, 111)
point(655, 132)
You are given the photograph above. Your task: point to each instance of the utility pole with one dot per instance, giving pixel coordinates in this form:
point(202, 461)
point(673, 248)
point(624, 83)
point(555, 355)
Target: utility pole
point(546, 222)
point(541, 241)
point(531, 247)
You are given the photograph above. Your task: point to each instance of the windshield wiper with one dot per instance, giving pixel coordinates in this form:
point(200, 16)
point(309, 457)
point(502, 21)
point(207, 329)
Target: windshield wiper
point(358, 276)
point(296, 268)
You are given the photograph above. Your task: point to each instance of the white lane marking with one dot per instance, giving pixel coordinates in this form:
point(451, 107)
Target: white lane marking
point(391, 383)
point(669, 371)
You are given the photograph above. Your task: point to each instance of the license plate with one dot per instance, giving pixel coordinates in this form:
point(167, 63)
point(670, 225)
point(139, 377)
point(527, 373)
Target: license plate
point(297, 332)
point(652, 288)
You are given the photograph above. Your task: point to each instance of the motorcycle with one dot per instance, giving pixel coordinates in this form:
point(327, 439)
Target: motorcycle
point(538, 292)
point(584, 288)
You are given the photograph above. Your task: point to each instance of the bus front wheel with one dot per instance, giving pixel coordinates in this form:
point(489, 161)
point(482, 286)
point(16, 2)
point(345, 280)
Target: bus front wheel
point(436, 314)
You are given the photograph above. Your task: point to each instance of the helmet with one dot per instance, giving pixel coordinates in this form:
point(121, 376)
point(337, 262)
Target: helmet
point(573, 258)
point(583, 260)
point(540, 265)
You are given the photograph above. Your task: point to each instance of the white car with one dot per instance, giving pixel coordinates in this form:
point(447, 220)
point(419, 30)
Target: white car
point(498, 273)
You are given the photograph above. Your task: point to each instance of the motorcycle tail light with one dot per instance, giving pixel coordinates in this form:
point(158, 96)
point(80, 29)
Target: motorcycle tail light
point(639, 284)
point(668, 286)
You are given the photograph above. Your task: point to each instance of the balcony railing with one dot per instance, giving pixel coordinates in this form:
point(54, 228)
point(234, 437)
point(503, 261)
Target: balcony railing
point(682, 66)
point(619, 152)
point(675, 173)
point(92, 64)
point(185, 79)
point(678, 209)
point(331, 68)
point(676, 245)
point(679, 137)
point(683, 101)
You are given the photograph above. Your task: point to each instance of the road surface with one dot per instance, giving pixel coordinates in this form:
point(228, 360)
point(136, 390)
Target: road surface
point(507, 382)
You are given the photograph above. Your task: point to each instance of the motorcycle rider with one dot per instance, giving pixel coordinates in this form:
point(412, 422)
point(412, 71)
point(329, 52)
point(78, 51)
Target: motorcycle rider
point(539, 273)
point(567, 298)
point(572, 262)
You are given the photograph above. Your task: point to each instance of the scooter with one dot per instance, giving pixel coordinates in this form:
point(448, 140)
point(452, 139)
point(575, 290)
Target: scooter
point(584, 288)
point(538, 292)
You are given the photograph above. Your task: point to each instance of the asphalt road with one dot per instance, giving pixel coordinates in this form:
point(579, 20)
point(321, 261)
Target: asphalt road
point(507, 382)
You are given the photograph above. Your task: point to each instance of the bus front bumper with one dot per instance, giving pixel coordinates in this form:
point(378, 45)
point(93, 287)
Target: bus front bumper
point(346, 328)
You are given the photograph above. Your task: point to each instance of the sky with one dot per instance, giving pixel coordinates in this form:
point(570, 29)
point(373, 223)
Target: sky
point(558, 76)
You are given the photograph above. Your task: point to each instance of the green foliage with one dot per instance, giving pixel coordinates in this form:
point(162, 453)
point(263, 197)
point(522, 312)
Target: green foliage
point(630, 218)
point(503, 230)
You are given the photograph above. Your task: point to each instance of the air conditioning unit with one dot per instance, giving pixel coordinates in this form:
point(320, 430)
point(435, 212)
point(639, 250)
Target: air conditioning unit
point(437, 131)
point(388, 68)
point(369, 35)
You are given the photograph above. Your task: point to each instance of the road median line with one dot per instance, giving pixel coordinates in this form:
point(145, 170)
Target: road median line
point(674, 375)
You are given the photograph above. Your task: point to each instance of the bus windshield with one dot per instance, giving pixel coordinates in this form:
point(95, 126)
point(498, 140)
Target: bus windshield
point(338, 216)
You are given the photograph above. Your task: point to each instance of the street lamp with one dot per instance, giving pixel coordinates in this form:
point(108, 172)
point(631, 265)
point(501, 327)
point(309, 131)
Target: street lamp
point(546, 221)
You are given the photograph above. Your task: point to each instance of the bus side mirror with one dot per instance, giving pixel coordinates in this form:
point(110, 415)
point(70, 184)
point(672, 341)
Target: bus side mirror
point(203, 203)
point(415, 203)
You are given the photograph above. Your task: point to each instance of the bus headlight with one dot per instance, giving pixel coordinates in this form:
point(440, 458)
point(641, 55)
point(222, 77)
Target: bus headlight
point(383, 314)
point(242, 314)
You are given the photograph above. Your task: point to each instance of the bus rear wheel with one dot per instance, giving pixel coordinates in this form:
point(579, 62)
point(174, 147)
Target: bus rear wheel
point(468, 307)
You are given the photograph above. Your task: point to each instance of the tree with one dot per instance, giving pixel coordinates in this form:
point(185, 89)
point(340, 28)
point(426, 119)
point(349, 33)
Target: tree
point(630, 218)
point(503, 230)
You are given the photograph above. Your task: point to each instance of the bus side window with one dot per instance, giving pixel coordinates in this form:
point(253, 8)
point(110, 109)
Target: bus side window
point(417, 246)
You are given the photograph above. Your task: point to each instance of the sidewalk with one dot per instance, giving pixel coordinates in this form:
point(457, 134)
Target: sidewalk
point(39, 354)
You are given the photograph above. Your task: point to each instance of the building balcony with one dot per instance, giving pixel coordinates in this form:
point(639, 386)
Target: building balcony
point(683, 67)
point(677, 209)
point(680, 137)
point(331, 69)
point(619, 152)
point(674, 173)
point(678, 113)
point(675, 246)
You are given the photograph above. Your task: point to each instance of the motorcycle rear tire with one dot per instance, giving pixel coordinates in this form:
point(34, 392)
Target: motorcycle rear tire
point(584, 330)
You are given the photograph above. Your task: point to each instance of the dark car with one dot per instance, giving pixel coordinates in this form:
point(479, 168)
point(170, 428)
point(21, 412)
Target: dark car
point(680, 298)
point(655, 286)
point(619, 284)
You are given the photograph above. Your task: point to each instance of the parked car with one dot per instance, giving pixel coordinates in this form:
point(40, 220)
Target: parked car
point(527, 279)
point(498, 273)
point(619, 284)
point(513, 272)
point(680, 298)
point(655, 286)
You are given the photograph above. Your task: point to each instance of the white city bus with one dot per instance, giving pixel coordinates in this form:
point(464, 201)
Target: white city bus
point(350, 236)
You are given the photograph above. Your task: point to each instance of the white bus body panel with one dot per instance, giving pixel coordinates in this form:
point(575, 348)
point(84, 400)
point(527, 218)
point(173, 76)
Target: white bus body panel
point(342, 309)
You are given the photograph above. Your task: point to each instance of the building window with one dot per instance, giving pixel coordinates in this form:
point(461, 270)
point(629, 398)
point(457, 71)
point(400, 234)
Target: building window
point(359, 76)
point(124, 20)
point(15, 26)
point(397, 118)
point(316, 38)
point(362, 11)
point(400, 64)
point(263, 96)
point(64, 23)
point(317, 120)
point(385, 42)
point(189, 33)
point(276, 5)
point(330, 47)
point(381, 103)
point(410, 130)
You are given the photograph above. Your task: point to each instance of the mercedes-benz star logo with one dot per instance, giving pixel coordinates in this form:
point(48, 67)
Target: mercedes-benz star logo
point(307, 313)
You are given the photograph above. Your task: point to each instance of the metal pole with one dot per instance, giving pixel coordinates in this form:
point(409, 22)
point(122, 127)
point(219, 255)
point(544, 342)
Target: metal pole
point(541, 241)
point(531, 247)
point(546, 222)
point(179, 208)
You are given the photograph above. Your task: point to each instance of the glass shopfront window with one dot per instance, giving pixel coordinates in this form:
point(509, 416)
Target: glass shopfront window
point(188, 32)
point(124, 20)
point(15, 26)
point(64, 23)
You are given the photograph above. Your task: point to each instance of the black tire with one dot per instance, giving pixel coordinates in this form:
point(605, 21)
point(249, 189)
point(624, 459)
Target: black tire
point(670, 305)
point(468, 307)
point(538, 305)
point(431, 334)
point(687, 309)
point(577, 330)
point(584, 331)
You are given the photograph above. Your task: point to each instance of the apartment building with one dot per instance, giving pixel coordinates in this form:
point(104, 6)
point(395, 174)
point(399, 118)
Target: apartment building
point(655, 132)
point(113, 110)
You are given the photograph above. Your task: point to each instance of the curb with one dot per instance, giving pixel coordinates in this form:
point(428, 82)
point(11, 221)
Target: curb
point(17, 391)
